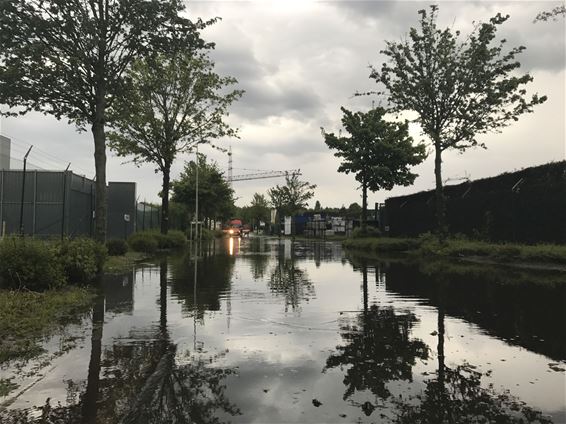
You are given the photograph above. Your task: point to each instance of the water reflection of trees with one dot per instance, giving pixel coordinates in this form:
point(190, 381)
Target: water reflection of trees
point(458, 397)
point(455, 395)
point(503, 301)
point(143, 382)
point(290, 282)
point(173, 392)
point(378, 350)
point(214, 277)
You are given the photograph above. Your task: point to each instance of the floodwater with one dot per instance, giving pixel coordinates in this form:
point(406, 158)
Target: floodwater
point(268, 331)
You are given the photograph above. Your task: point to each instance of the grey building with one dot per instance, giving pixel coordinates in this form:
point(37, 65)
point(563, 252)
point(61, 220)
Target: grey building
point(4, 152)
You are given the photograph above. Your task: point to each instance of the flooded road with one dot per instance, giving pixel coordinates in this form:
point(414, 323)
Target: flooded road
point(270, 331)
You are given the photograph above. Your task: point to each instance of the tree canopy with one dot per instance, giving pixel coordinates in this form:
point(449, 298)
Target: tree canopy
point(378, 152)
point(291, 197)
point(69, 58)
point(216, 197)
point(459, 88)
point(173, 103)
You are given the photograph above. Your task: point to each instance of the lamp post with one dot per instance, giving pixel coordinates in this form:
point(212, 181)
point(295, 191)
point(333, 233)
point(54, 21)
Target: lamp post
point(197, 233)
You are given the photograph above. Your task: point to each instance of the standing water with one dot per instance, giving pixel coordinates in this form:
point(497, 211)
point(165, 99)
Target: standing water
point(274, 331)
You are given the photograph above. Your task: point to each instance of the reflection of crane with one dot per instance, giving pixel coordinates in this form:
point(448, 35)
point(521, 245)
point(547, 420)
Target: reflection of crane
point(258, 174)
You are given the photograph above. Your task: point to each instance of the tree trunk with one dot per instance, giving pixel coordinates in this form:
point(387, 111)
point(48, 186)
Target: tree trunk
point(90, 397)
point(365, 286)
point(364, 206)
point(439, 194)
point(443, 401)
point(165, 200)
point(100, 166)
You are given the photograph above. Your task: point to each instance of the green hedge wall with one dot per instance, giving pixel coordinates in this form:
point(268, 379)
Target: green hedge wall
point(527, 206)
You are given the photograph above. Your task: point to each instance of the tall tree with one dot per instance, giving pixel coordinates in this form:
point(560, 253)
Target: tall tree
point(552, 14)
point(460, 89)
point(68, 58)
point(378, 152)
point(174, 102)
point(216, 197)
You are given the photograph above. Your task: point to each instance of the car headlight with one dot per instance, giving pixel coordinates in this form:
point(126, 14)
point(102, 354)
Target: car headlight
point(231, 231)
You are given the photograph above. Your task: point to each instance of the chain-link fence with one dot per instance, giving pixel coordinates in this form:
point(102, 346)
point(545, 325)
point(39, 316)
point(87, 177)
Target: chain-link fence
point(44, 203)
point(148, 216)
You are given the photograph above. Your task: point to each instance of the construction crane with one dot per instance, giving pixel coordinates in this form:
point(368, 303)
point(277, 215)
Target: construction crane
point(265, 174)
point(261, 174)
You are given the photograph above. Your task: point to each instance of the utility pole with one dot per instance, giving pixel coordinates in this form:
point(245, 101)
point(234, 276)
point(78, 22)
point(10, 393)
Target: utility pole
point(23, 193)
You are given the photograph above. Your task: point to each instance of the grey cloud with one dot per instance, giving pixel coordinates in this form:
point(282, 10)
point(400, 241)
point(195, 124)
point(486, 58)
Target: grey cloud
point(544, 50)
point(263, 98)
point(292, 147)
point(262, 101)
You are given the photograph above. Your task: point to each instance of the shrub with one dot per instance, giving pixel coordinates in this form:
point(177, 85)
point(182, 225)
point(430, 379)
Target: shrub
point(30, 263)
point(82, 259)
point(369, 232)
point(116, 247)
point(145, 242)
point(207, 234)
point(174, 239)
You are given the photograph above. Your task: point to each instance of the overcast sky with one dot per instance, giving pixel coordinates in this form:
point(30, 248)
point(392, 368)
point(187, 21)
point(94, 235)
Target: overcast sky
point(298, 62)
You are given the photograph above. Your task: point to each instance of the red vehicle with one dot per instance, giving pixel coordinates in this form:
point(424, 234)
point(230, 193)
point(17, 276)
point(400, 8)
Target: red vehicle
point(234, 228)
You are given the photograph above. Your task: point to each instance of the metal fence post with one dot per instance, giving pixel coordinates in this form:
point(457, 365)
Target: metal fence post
point(23, 193)
point(143, 217)
point(2, 202)
point(64, 201)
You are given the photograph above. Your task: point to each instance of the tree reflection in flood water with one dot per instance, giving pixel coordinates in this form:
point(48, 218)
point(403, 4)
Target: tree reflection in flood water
point(267, 330)
point(379, 349)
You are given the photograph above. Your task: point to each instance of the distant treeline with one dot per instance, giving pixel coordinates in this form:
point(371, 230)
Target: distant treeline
point(526, 206)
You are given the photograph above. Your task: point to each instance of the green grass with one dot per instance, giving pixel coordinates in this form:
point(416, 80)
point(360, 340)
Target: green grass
point(26, 317)
point(6, 386)
point(457, 247)
point(123, 263)
point(382, 244)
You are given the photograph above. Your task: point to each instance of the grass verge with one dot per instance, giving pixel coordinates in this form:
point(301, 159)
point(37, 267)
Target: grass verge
point(26, 317)
point(430, 246)
point(123, 263)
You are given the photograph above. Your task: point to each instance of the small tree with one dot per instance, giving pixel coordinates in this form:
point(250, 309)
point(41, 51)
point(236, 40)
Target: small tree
point(459, 88)
point(174, 103)
point(378, 152)
point(216, 197)
point(292, 197)
point(259, 209)
point(68, 58)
